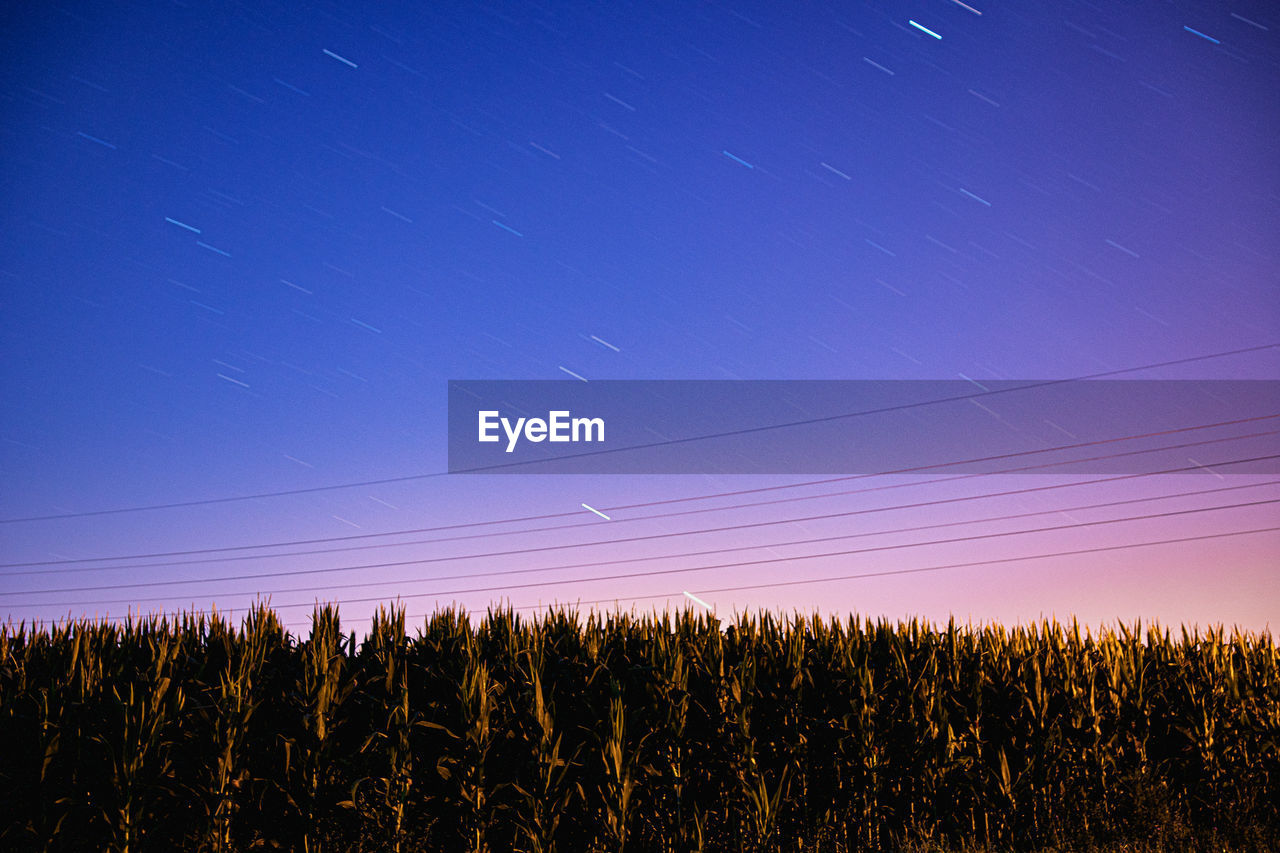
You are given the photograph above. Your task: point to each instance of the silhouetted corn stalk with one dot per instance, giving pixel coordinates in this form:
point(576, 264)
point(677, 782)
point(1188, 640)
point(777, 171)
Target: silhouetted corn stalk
point(466, 764)
point(322, 687)
point(137, 709)
point(618, 733)
point(550, 790)
point(620, 756)
point(234, 700)
point(386, 689)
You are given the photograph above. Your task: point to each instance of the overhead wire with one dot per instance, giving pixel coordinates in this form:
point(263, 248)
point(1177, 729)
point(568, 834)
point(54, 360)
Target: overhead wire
point(683, 555)
point(596, 543)
point(668, 442)
point(68, 562)
point(879, 574)
point(742, 564)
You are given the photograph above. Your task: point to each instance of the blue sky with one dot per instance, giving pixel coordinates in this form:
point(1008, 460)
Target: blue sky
point(244, 248)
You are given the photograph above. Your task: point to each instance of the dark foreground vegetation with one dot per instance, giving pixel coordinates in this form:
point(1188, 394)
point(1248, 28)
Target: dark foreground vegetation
point(642, 734)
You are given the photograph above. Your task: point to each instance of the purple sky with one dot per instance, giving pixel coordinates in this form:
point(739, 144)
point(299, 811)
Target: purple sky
point(244, 247)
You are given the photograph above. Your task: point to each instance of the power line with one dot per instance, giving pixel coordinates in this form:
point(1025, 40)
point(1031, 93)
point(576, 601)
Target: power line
point(705, 553)
point(790, 583)
point(669, 442)
point(615, 509)
point(566, 546)
point(807, 581)
point(740, 564)
point(890, 572)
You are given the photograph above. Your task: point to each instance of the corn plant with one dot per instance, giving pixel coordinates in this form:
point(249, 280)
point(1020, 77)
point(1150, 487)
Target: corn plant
point(550, 789)
point(617, 732)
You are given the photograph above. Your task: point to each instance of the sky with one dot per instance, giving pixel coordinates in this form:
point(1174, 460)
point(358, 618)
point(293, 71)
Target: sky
point(245, 247)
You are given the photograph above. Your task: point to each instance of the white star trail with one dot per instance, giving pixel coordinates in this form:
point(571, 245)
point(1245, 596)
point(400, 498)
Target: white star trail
point(925, 30)
point(341, 59)
point(190, 228)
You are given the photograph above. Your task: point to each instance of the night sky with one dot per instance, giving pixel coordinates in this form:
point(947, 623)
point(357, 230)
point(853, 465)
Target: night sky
point(244, 248)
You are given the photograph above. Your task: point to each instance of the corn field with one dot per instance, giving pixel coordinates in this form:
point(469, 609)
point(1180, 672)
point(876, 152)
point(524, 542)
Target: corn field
point(625, 733)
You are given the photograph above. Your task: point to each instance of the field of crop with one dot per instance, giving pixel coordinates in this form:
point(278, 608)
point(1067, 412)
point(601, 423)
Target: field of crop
point(637, 733)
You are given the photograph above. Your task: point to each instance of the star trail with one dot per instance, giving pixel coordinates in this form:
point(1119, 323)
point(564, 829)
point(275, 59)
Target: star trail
point(245, 247)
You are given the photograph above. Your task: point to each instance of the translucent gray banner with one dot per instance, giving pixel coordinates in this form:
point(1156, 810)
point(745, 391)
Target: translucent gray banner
point(862, 426)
